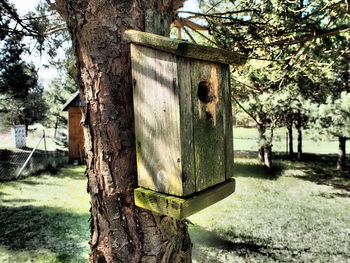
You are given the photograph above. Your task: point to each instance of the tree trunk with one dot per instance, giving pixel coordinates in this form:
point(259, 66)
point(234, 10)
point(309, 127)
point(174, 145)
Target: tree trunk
point(268, 156)
point(290, 141)
point(261, 154)
point(261, 142)
point(341, 163)
point(56, 127)
point(120, 232)
point(300, 143)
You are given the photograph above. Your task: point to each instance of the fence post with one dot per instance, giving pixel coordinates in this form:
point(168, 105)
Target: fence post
point(30, 156)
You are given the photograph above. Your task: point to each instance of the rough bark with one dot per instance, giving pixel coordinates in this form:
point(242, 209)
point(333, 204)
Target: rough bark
point(120, 232)
point(341, 163)
point(290, 141)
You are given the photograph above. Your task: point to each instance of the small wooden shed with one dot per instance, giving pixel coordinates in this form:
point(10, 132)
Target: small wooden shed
point(75, 130)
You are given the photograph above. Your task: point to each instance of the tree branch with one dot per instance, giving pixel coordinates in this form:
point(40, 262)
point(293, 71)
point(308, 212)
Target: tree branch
point(191, 24)
point(57, 29)
point(205, 37)
point(188, 33)
point(308, 37)
point(15, 17)
point(216, 15)
point(18, 32)
point(240, 105)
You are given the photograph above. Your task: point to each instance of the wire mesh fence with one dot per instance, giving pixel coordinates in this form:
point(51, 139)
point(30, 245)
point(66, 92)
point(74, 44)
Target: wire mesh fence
point(42, 151)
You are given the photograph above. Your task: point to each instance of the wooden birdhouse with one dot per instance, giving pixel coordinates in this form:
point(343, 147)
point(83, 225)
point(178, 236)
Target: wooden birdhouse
point(183, 123)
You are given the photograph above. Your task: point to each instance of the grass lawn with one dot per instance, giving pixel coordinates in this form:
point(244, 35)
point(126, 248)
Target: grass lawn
point(300, 213)
point(44, 219)
point(309, 146)
point(246, 139)
point(34, 134)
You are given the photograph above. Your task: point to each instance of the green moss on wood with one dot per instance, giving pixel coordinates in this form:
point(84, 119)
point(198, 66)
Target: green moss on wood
point(183, 207)
point(183, 48)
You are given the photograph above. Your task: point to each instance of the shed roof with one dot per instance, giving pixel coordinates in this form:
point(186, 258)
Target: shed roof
point(184, 48)
point(73, 101)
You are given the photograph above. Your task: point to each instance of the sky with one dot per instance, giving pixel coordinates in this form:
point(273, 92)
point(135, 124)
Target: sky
point(191, 5)
point(24, 6)
point(47, 74)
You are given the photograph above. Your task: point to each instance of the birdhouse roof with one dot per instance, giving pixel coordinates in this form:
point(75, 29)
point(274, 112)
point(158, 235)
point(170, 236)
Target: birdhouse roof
point(184, 48)
point(73, 101)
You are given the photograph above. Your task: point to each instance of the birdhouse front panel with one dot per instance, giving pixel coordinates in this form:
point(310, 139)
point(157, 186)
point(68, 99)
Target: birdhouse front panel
point(209, 84)
point(182, 121)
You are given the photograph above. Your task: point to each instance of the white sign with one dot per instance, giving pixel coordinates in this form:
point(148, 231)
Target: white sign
point(19, 135)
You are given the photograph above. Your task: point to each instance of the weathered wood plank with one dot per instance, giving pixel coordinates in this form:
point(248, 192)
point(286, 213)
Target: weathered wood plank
point(208, 123)
point(181, 208)
point(75, 134)
point(157, 120)
point(228, 133)
point(186, 121)
point(185, 49)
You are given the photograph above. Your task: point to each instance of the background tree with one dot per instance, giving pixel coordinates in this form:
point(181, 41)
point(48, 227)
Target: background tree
point(56, 95)
point(271, 110)
point(290, 46)
point(61, 88)
point(21, 100)
point(334, 119)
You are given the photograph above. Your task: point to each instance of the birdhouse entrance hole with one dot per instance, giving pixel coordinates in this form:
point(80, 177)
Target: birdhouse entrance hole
point(205, 92)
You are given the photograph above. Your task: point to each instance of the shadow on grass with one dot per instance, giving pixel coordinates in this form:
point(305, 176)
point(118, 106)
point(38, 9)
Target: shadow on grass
point(2, 194)
point(206, 238)
point(72, 172)
point(67, 171)
point(321, 170)
point(334, 195)
point(241, 246)
point(21, 182)
point(30, 228)
point(26, 182)
point(317, 168)
point(330, 178)
point(256, 171)
point(17, 200)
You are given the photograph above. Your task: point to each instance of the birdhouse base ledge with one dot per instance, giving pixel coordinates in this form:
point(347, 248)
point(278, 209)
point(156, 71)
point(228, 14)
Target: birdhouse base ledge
point(182, 207)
